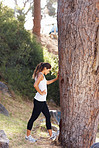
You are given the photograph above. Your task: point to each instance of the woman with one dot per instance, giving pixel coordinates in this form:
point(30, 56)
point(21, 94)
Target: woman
point(40, 99)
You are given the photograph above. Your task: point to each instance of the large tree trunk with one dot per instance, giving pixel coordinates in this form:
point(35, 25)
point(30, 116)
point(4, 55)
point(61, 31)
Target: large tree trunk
point(37, 17)
point(78, 26)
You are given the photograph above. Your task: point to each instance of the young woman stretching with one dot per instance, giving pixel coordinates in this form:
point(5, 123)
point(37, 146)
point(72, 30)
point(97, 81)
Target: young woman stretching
point(40, 99)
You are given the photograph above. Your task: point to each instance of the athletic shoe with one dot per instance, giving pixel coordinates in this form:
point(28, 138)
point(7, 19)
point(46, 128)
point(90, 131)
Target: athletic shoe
point(30, 138)
point(54, 135)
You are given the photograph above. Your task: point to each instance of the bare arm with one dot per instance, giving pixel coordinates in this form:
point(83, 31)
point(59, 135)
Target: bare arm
point(40, 77)
point(53, 80)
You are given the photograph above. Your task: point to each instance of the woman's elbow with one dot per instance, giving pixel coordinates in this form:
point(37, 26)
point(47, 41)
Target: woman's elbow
point(34, 85)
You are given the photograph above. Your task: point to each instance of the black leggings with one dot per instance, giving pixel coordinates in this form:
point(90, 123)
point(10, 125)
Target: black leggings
point(38, 108)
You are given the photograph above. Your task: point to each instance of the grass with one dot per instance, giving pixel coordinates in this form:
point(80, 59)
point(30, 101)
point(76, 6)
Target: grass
point(16, 124)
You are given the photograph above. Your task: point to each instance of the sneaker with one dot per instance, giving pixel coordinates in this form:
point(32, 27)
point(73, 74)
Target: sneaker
point(54, 135)
point(30, 138)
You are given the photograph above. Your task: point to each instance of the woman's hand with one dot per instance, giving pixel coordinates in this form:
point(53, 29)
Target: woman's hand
point(53, 80)
point(43, 92)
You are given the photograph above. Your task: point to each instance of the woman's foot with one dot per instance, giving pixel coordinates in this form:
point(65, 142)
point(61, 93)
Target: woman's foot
point(54, 135)
point(30, 138)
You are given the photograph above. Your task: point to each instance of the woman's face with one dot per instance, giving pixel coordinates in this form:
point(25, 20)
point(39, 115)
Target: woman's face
point(47, 71)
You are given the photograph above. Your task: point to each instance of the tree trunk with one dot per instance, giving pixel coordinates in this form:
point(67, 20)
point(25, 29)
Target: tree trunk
point(78, 32)
point(37, 17)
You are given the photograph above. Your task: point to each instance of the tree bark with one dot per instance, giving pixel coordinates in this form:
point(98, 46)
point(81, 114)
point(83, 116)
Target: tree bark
point(37, 17)
point(78, 32)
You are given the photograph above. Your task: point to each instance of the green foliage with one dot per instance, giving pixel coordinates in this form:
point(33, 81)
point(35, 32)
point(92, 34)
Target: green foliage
point(52, 59)
point(20, 54)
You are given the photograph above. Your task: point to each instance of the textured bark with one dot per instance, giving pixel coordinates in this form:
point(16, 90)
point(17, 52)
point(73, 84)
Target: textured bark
point(78, 28)
point(37, 17)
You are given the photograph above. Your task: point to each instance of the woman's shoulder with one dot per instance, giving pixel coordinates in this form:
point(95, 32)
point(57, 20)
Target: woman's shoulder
point(40, 75)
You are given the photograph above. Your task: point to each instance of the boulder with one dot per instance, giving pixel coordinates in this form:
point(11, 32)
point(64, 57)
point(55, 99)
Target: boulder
point(4, 141)
point(95, 145)
point(4, 89)
point(3, 110)
point(56, 115)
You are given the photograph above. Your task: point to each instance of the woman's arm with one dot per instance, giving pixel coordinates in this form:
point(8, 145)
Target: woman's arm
point(53, 80)
point(40, 77)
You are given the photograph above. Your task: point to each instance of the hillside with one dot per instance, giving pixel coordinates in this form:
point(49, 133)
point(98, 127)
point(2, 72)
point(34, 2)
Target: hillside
point(15, 125)
point(50, 43)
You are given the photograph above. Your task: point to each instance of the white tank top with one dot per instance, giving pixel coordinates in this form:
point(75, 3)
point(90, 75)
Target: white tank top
point(42, 86)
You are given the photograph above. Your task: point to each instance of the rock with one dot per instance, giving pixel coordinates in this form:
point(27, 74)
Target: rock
point(4, 89)
point(95, 145)
point(3, 110)
point(3, 86)
point(56, 115)
point(4, 141)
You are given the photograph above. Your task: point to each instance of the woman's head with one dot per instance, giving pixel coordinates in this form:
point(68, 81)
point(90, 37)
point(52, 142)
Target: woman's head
point(40, 67)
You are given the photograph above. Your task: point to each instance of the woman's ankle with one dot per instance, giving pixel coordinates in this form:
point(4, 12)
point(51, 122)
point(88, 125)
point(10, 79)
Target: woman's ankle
point(28, 132)
point(50, 132)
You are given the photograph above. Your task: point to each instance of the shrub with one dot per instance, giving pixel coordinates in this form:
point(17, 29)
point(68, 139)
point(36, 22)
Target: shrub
point(20, 54)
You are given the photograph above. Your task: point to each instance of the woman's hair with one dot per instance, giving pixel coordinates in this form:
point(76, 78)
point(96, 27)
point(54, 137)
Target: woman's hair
point(39, 68)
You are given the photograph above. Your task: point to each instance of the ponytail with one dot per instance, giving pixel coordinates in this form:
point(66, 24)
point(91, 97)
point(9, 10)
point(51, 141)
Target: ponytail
point(39, 68)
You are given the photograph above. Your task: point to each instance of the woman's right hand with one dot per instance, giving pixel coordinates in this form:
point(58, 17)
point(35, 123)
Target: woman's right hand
point(43, 92)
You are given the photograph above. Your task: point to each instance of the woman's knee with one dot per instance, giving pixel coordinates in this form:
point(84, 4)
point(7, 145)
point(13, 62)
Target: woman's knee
point(48, 116)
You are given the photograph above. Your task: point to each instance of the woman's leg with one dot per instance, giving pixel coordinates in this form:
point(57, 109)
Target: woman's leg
point(36, 112)
point(50, 132)
point(28, 132)
point(46, 113)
